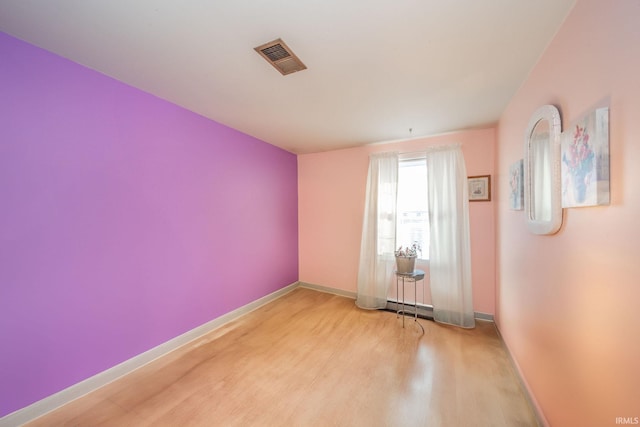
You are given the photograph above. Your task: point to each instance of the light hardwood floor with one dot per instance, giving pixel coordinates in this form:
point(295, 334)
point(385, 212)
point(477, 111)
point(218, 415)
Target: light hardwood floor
point(314, 359)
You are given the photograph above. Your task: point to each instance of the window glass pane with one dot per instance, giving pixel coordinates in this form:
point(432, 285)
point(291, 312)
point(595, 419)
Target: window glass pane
point(413, 211)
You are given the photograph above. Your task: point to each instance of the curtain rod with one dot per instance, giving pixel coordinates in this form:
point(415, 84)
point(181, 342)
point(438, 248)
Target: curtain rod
point(429, 150)
point(421, 153)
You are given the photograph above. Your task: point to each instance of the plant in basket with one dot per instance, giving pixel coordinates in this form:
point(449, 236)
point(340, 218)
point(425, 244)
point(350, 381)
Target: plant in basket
point(406, 258)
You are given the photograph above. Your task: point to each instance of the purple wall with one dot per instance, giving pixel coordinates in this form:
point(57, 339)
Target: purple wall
point(125, 221)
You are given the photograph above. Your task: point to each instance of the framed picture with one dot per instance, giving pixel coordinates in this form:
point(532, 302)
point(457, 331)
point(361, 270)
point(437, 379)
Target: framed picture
point(479, 188)
point(516, 186)
point(585, 161)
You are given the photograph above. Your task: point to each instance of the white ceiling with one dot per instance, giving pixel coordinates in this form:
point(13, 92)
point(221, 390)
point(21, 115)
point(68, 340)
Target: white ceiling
point(376, 68)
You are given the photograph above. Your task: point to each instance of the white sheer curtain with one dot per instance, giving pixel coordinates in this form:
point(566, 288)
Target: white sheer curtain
point(450, 251)
point(377, 259)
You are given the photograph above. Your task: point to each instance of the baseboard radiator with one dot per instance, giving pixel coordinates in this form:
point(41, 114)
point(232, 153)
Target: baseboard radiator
point(426, 311)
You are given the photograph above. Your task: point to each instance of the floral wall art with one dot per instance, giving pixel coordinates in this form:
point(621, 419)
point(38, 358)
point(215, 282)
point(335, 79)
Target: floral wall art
point(585, 161)
point(516, 186)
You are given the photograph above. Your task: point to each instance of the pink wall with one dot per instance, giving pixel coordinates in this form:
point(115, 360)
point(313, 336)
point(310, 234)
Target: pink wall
point(331, 195)
point(125, 222)
point(569, 304)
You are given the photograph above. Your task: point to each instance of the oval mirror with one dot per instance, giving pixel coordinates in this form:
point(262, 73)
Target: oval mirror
point(542, 182)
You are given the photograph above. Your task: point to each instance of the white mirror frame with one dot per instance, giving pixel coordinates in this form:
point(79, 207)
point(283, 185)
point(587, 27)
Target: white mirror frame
point(538, 226)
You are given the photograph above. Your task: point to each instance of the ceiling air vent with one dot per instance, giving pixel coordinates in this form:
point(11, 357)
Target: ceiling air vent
point(278, 54)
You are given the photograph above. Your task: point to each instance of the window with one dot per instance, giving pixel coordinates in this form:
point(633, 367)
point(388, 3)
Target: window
point(412, 220)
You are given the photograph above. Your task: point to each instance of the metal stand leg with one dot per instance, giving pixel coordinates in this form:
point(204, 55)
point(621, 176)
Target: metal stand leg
point(397, 297)
point(403, 312)
point(415, 301)
point(402, 307)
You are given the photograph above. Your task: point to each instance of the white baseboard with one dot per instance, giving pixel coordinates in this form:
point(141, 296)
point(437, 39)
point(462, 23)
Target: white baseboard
point(531, 400)
point(328, 290)
point(483, 316)
point(48, 404)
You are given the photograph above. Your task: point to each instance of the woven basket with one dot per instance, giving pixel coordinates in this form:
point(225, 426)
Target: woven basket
point(405, 264)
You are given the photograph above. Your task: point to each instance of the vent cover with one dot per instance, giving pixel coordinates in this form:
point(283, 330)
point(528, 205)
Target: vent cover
point(278, 54)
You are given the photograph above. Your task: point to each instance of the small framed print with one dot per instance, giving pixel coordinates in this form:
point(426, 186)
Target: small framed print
point(479, 188)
